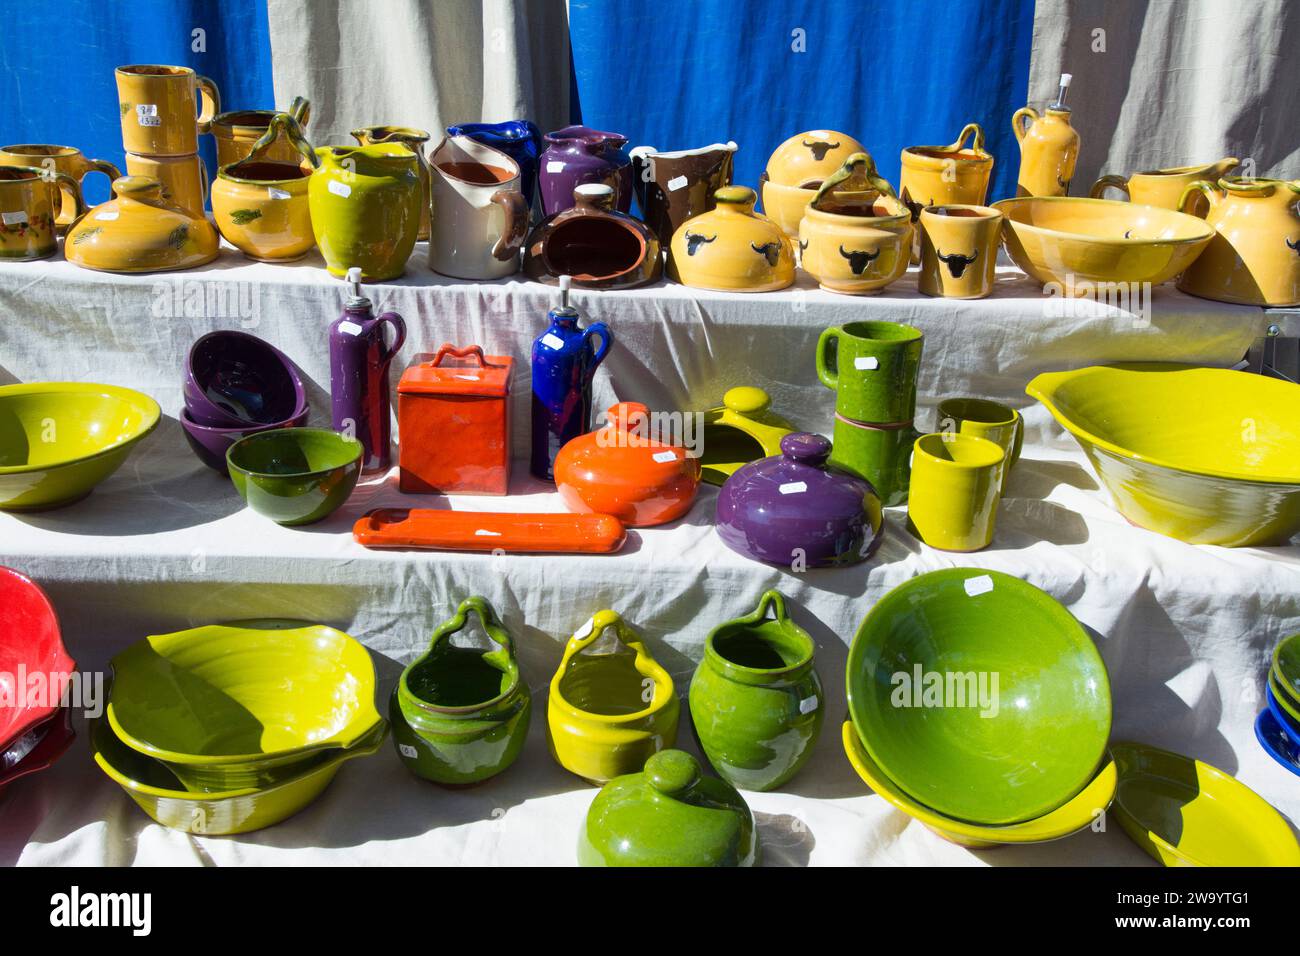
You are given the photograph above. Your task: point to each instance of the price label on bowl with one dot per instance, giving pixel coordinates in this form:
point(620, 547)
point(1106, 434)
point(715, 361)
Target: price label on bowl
point(552, 341)
point(681, 182)
point(663, 457)
point(555, 166)
point(808, 705)
point(485, 533)
point(106, 216)
point(276, 193)
point(793, 488)
point(408, 751)
point(866, 363)
point(978, 585)
point(340, 189)
point(350, 328)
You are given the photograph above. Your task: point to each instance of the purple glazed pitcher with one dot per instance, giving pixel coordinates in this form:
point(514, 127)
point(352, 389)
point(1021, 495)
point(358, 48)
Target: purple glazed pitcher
point(359, 359)
point(577, 155)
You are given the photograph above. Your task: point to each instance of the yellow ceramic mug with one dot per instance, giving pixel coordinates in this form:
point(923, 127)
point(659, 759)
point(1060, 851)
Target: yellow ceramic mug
point(953, 501)
point(29, 205)
point(959, 250)
point(982, 418)
point(184, 178)
point(158, 106)
point(1164, 187)
point(58, 159)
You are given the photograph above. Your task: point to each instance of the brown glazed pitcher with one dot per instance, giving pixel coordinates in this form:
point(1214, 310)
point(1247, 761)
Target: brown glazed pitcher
point(677, 186)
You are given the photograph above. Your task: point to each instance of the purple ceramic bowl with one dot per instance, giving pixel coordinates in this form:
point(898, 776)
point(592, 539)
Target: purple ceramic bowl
point(791, 510)
point(234, 380)
point(211, 444)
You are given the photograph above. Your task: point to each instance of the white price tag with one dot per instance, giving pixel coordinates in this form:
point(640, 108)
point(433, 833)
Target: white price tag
point(793, 488)
point(146, 114)
point(808, 705)
point(106, 216)
point(276, 193)
point(340, 189)
point(552, 341)
point(555, 166)
point(485, 533)
point(978, 585)
point(663, 457)
point(408, 751)
point(350, 328)
point(13, 218)
point(866, 363)
point(586, 629)
point(679, 183)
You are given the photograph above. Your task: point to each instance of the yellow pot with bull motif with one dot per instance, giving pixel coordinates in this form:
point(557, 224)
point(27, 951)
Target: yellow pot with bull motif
point(946, 175)
point(732, 248)
point(796, 170)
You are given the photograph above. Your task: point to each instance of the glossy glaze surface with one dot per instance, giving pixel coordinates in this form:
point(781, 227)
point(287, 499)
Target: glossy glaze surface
point(672, 187)
point(1186, 813)
point(414, 140)
point(946, 175)
point(872, 367)
point(295, 476)
point(518, 139)
point(982, 418)
point(576, 155)
point(952, 502)
point(262, 209)
point(1049, 149)
point(1015, 755)
point(68, 160)
point(740, 430)
point(756, 701)
point(611, 704)
point(160, 108)
point(1283, 704)
point(808, 158)
point(1209, 456)
point(365, 208)
point(184, 179)
point(480, 218)
point(1277, 743)
point(959, 250)
point(880, 455)
point(856, 255)
point(234, 379)
point(669, 814)
point(140, 232)
point(512, 532)
point(60, 439)
point(31, 642)
point(732, 248)
point(595, 244)
point(29, 207)
point(1286, 665)
point(237, 132)
point(51, 741)
point(362, 346)
point(786, 205)
point(210, 444)
point(1164, 187)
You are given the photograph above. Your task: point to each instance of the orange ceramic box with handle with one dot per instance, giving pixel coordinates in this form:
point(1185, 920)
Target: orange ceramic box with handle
point(453, 417)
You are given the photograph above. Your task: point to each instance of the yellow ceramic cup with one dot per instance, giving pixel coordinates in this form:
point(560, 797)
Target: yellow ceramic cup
point(184, 178)
point(953, 501)
point(959, 250)
point(58, 159)
point(158, 106)
point(982, 418)
point(30, 200)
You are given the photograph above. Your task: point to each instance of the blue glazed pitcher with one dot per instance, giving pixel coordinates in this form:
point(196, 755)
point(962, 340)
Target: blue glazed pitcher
point(518, 139)
point(565, 358)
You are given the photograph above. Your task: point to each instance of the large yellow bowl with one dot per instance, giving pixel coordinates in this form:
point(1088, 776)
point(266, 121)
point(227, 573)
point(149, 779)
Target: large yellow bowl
point(1078, 812)
point(1205, 455)
point(1068, 241)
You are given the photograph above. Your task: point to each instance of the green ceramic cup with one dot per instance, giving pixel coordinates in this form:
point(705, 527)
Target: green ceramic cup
point(880, 455)
point(755, 699)
point(872, 368)
point(1000, 424)
point(295, 475)
point(460, 715)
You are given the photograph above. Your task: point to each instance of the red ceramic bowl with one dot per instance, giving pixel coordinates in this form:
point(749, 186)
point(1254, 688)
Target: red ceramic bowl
point(57, 738)
point(30, 643)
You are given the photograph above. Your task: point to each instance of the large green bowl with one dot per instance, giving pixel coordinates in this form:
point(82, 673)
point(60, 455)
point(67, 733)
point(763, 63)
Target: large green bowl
point(1286, 667)
point(60, 439)
point(241, 705)
point(295, 475)
point(1024, 746)
point(158, 792)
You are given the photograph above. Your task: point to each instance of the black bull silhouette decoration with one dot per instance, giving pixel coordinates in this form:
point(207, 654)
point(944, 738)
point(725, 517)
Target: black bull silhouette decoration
point(820, 148)
point(694, 240)
point(1293, 245)
point(859, 259)
point(769, 250)
point(957, 264)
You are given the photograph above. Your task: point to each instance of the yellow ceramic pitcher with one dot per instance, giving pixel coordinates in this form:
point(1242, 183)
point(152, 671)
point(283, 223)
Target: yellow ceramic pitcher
point(1049, 147)
point(1164, 187)
point(1254, 256)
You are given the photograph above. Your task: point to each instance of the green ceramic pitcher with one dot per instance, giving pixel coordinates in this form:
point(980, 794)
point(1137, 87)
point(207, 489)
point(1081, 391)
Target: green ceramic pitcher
point(460, 714)
point(755, 699)
point(872, 367)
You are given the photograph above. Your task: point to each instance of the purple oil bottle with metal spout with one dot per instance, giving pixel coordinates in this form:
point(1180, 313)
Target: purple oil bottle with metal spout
point(359, 360)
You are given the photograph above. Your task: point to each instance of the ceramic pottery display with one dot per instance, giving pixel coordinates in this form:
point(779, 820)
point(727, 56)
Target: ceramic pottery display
point(518, 139)
point(234, 379)
point(184, 179)
point(795, 172)
point(611, 704)
point(1205, 455)
point(731, 249)
point(139, 232)
point(365, 208)
point(576, 155)
point(460, 714)
point(1049, 147)
point(1078, 813)
point(959, 251)
point(855, 237)
point(597, 246)
point(956, 480)
point(1186, 813)
point(454, 420)
point(480, 216)
point(872, 368)
point(1079, 244)
point(564, 361)
point(360, 405)
point(794, 512)
point(1165, 187)
point(740, 430)
point(31, 202)
point(982, 418)
point(59, 159)
point(210, 702)
point(97, 426)
point(261, 205)
point(1254, 256)
point(512, 532)
point(414, 140)
point(30, 641)
point(237, 132)
point(755, 699)
point(946, 175)
point(624, 469)
point(1276, 741)
point(158, 793)
point(668, 814)
point(674, 187)
point(158, 107)
point(37, 750)
point(1285, 666)
point(211, 443)
point(295, 475)
point(922, 699)
point(879, 454)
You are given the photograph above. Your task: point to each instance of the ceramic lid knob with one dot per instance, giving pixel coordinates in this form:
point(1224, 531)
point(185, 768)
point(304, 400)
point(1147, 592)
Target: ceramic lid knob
point(741, 196)
point(627, 414)
point(746, 400)
point(672, 772)
point(806, 448)
point(137, 187)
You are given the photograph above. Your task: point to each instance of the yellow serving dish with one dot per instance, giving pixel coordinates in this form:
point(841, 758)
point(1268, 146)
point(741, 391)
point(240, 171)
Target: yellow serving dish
point(1205, 455)
point(1068, 241)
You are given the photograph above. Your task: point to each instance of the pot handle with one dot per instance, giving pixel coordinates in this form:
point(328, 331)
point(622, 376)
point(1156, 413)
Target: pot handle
point(470, 351)
point(601, 331)
point(977, 144)
point(1208, 189)
point(828, 376)
point(65, 186)
point(283, 123)
point(487, 616)
point(1017, 124)
point(399, 335)
point(591, 632)
point(210, 98)
point(1109, 182)
point(512, 237)
point(771, 599)
point(300, 110)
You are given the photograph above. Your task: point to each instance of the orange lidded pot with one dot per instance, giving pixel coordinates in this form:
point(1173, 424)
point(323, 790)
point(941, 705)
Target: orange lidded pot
point(454, 423)
point(628, 470)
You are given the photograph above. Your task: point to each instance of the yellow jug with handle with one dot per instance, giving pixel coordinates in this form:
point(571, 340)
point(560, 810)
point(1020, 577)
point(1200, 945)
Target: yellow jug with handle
point(1049, 147)
point(1164, 187)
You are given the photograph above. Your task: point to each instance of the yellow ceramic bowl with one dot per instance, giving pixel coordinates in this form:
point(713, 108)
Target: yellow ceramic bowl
point(1067, 241)
point(1205, 455)
point(1076, 814)
point(262, 209)
point(856, 255)
point(786, 205)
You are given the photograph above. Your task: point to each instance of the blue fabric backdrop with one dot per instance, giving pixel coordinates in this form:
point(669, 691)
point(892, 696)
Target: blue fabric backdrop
point(676, 74)
point(56, 72)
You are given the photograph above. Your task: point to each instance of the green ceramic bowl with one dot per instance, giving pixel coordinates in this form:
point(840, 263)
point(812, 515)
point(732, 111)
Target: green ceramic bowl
point(60, 439)
point(979, 696)
point(295, 475)
point(158, 792)
point(241, 705)
point(1286, 667)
